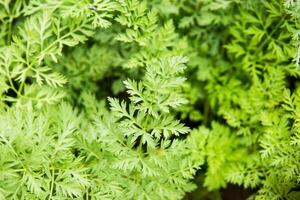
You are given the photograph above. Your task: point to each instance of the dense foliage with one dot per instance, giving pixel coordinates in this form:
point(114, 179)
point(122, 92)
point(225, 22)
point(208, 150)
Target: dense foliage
point(133, 99)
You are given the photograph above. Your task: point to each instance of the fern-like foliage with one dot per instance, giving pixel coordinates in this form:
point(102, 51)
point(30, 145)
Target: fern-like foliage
point(54, 151)
point(139, 146)
point(248, 85)
point(93, 94)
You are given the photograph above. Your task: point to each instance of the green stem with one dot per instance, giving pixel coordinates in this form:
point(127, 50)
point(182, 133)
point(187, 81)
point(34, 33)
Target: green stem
point(206, 113)
point(52, 184)
point(9, 34)
point(13, 151)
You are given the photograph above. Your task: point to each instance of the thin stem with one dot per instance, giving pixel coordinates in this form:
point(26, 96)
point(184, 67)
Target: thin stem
point(10, 81)
point(9, 34)
point(206, 113)
point(14, 152)
point(52, 184)
point(87, 194)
